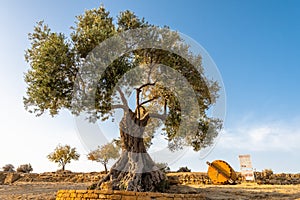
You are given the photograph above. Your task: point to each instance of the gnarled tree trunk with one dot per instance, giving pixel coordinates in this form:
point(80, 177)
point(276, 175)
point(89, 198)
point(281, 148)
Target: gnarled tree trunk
point(134, 170)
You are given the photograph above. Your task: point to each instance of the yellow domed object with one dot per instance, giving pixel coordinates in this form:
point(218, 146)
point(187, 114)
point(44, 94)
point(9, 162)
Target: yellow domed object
point(220, 173)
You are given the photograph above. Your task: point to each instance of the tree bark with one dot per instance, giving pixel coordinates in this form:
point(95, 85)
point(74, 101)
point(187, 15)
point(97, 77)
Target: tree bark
point(134, 170)
point(105, 167)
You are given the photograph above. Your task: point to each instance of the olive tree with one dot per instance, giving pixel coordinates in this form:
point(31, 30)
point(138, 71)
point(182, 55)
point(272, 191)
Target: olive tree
point(104, 153)
point(66, 73)
point(63, 155)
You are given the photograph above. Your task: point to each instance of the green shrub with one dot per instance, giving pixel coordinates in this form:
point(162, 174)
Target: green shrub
point(8, 168)
point(183, 169)
point(26, 168)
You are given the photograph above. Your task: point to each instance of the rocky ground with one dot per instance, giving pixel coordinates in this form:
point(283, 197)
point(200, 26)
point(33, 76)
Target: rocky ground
point(45, 185)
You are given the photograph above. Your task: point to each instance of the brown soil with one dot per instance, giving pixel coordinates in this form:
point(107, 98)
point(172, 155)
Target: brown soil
point(244, 191)
point(42, 190)
point(36, 190)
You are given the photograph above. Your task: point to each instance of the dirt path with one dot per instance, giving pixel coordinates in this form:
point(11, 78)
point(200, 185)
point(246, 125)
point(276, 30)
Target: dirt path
point(40, 191)
point(248, 191)
point(47, 191)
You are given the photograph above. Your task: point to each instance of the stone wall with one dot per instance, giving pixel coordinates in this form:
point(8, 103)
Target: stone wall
point(182, 178)
point(122, 195)
point(67, 176)
point(277, 179)
point(188, 178)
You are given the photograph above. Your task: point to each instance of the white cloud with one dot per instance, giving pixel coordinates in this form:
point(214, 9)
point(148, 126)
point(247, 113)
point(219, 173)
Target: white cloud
point(268, 136)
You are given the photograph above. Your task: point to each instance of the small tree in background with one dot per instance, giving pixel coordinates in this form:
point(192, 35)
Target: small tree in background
point(26, 168)
point(104, 153)
point(63, 155)
point(183, 169)
point(8, 168)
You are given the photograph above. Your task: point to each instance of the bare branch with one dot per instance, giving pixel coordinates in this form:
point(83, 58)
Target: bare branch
point(145, 85)
point(149, 100)
point(165, 107)
point(82, 83)
point(157, 116)
point(138, 91)
point(150, 70)
point(138, 102)
point(119, 106)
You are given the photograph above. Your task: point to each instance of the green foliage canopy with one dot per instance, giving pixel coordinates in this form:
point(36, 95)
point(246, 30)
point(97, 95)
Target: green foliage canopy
point(26, 168)
point(104, 153)
point(63, 155)
point(55, 61)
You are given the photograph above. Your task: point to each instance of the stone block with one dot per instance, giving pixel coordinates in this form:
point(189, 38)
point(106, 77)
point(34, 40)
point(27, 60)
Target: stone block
point(66, 195)
point(129, 197)
point(103, 196)
point(2, 177)
point(73, 195)
point(103, 191)
point(79, 195)
point(144, 198)
point(178, 198)
point(81, 191)
point(90, 195)
point(93, 196)
point(115, 197)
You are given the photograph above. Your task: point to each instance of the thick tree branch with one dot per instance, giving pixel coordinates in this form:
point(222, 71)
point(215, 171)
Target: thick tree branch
point(123, 99)
point(119, 106)
point(158, 116)
point(138, 91)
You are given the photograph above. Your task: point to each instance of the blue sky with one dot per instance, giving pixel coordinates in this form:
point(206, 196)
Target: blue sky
point(255, 45)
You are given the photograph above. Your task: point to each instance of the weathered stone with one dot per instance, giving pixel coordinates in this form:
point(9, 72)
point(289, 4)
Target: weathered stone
point(116, 197)
point(2, 177)
point(129, 197)
point(11, 177)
